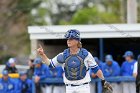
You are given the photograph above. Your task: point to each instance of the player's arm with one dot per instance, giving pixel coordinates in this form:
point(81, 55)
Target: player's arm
point(40, 51)
point(57, 60)
point(100, 74)
point(95, 68)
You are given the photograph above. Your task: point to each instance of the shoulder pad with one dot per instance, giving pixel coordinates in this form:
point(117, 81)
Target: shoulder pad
point(60, 58)
point(83, 53)
point(66, 53)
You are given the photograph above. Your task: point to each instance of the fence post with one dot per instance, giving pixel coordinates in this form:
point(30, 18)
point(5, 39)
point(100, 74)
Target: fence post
point(33, 86)
point(99, 86)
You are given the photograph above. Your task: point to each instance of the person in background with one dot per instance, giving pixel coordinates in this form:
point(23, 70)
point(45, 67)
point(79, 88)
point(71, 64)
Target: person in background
point(127, 70)
point(30, 71)
point(111, 68)
point(93, 75)
point(11, 66)
point(24, 85)
point(57, 73)
point(7, 85)
point(40, 73)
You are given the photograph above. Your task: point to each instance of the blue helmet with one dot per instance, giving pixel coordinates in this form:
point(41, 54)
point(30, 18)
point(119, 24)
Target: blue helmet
point(37, 61)
point(128, 53)
point(5, 72)
point(108, 58)
point(73, 34)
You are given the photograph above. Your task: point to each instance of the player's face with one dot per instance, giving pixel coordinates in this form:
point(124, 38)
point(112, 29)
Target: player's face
point(109, 63)
point(12, 65)
point(72, 42)
point(128, 58)
point(23, 77)
point(37, 65)
point(5, 77)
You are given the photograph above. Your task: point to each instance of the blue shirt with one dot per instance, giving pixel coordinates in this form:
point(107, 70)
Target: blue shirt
point(41, 71)
point(100, 64)
point(56, 72)
point(127, 68)
point(112, 70)
point(7, 86)
point(24, 85)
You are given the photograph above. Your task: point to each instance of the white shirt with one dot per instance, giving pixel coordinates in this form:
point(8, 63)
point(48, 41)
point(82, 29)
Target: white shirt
point(89, 62)
point(135, 67)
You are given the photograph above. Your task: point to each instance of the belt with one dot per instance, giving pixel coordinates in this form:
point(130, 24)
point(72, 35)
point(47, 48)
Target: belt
point(77, 85)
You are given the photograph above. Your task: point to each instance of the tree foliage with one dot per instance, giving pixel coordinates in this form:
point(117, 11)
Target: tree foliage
point(94, 16)
point(14, 19)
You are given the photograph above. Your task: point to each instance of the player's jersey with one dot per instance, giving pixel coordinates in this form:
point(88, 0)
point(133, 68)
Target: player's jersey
point(89, 62)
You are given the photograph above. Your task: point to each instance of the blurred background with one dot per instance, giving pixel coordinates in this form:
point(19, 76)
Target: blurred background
point(17, 15)
point(24, 24)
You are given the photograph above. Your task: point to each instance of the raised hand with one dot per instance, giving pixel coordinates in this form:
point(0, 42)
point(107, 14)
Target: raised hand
point(40, 50)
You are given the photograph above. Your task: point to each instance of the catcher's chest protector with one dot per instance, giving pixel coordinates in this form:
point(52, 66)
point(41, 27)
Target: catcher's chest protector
point(75, 68)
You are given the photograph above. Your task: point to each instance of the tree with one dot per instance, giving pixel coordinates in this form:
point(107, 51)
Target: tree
point(14, 19)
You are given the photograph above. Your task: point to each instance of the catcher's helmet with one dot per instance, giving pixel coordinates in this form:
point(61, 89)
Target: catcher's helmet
point(73, 34)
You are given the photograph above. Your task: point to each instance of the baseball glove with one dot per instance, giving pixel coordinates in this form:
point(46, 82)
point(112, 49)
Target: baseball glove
point(107, 88)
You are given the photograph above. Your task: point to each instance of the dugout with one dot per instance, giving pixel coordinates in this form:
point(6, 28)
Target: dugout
point(100, 39)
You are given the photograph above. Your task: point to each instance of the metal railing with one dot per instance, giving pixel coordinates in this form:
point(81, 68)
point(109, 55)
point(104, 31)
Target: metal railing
point(98, 81)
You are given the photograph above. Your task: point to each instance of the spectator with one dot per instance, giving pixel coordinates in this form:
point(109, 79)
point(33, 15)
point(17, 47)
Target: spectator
point(111, 68)
point(40, 73)
point(92, 85)
point(24, 85)
point(30, 71)
point(127, 70)
point(10, 66)
point(57, 73)
point(6, 83)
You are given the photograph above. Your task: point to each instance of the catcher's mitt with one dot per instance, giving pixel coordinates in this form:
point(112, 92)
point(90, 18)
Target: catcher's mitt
point(107, 88)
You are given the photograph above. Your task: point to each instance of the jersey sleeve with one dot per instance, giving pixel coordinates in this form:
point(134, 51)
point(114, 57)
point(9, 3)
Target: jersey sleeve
point(135, 67)
point(91, 63)
point(54, 61)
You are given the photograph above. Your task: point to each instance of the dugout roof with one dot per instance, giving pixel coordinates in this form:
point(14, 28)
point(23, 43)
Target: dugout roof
point(87, 31)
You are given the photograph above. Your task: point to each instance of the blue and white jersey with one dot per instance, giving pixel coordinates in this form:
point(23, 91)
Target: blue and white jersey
point(89, 62)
